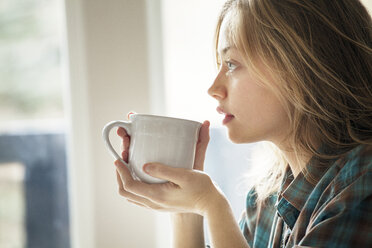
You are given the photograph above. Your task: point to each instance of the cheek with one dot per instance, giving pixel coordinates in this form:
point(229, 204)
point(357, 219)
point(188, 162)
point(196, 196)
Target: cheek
point(268, 110)
point(260, 115)
point(248, 98)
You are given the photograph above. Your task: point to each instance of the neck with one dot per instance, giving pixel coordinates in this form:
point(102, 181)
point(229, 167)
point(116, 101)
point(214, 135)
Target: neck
point(296, 163)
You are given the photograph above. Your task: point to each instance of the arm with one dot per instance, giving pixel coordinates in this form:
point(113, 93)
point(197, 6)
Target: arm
point(187, 230)
point(346, 227)
point(187, 191)
point(190, 191)
point(224, 230)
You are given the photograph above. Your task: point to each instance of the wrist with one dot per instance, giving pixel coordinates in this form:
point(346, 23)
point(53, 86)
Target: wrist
point(187, 230)
point(216, 204)
point(182, 217)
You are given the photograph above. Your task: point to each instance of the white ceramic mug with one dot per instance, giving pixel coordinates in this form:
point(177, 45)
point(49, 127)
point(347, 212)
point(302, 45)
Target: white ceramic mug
point(159, 139)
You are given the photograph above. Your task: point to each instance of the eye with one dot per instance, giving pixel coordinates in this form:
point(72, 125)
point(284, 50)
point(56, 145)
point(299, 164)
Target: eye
point(230, 66)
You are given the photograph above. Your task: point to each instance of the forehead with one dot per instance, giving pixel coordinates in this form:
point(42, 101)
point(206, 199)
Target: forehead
point(224, 37)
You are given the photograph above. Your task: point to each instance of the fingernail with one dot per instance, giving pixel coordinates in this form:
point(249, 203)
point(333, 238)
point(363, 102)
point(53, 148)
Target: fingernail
point(148, 167)
point(117, 163)
point(130, 113)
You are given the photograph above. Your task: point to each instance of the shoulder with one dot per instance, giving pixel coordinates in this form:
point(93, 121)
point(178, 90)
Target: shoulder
point(255, 209)
point(360, 156)
point(252, 202)
point(257, 219)
point(259, 210)
point(341, 200)
point(251, 198)
point(348, 182)
point(355, 166)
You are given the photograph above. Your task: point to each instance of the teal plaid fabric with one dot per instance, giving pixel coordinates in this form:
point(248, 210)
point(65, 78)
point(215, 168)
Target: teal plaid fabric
point(336, 212)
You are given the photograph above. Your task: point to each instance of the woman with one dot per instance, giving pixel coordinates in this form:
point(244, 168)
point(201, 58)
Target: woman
point(297, 74)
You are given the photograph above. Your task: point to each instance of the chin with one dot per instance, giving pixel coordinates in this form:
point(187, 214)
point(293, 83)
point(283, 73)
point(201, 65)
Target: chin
point(237, 137)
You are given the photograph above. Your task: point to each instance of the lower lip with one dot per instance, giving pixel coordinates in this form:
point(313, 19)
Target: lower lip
point(227, 119)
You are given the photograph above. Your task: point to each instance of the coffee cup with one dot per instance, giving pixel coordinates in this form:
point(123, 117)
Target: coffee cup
point(159, 139)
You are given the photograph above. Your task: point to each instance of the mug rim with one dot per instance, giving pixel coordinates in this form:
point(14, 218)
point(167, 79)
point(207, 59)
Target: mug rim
point(132, 116)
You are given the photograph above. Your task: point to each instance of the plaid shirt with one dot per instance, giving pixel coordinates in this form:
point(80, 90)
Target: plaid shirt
point(336, 212)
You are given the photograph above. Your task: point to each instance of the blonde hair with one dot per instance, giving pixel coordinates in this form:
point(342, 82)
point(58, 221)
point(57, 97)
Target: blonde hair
point(321, 54)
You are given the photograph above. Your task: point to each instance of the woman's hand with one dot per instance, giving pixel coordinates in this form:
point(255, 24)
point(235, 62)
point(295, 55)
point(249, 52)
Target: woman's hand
point(187, 190)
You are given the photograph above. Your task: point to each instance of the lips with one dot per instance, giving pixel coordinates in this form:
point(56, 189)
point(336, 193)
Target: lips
point(228, 116)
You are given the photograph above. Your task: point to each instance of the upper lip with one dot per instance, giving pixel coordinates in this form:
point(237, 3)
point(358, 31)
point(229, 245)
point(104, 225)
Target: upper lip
point(220, 110)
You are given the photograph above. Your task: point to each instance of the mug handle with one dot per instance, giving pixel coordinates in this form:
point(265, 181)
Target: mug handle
point(106, 131)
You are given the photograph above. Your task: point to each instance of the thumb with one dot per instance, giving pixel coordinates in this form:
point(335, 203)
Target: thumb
point(123, 171)
point(201, 147)
point(161, 171)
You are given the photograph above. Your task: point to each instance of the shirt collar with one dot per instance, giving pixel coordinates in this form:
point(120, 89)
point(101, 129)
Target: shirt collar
point(294, 192)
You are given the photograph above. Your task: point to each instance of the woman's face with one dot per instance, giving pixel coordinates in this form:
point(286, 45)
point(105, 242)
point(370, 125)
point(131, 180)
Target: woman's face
point(252, 111)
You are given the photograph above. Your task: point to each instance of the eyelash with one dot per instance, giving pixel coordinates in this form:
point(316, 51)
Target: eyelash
point(229, 64)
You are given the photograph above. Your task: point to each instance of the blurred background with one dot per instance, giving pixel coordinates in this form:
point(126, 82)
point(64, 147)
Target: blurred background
point(67, 67)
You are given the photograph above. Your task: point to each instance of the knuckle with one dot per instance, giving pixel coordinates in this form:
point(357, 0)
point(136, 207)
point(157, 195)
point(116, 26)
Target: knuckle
point(128, 186)
point(205, 178)
point(124, 155)
point(156, 207)
point(161, 198)
point(160, 171)
point(206, 141)
point(123, 192)
point(188, 179)
point(126, 141)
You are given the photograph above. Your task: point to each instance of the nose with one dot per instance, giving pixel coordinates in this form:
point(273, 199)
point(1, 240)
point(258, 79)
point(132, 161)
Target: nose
point(218, 89)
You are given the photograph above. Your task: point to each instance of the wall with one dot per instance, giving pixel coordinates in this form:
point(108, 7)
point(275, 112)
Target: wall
point(115, 61)
point(368, 4)
point(109, 76)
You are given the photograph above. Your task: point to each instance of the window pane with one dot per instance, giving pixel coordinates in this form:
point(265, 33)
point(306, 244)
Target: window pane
point(12, 205)
point(190, 69)
point(30, 68)
point(33, 192)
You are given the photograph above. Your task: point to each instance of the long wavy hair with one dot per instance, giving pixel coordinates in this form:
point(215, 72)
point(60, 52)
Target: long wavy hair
point(321, 54)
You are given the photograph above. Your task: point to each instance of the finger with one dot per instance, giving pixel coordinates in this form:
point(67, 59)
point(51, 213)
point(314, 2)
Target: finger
point(126, 138)
point(201, 146)
point(141, 201)
point(124, 153)
point(118, 179)
point(124, 173)
point(125, 156)
point(129, 114)
point(121, 132)
point(149, 191)
point(125, 143)
point(144, 202)
point(138, 204)
point(160, 209)
point(161, 171)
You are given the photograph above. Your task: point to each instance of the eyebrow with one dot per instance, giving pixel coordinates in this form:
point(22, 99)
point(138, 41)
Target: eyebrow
point(224, 51)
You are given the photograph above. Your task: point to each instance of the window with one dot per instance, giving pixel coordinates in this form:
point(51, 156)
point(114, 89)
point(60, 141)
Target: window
point(33, 188)
point(189, 70)
point(12, 207)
